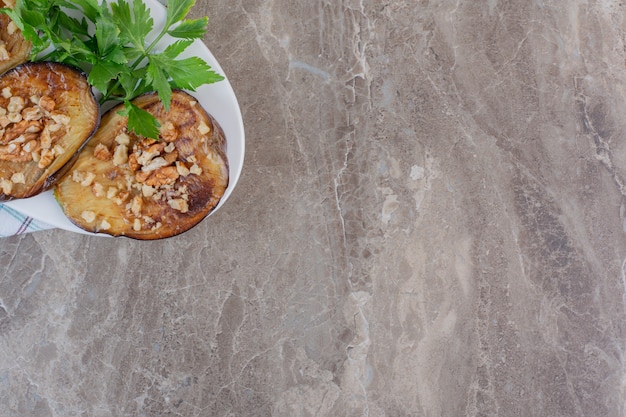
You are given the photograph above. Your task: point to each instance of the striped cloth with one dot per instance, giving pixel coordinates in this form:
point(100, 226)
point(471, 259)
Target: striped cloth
point(12, 222)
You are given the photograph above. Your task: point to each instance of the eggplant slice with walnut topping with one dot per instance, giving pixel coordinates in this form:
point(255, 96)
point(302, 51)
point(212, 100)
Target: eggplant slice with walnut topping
point(126, 185)
point(47, 112)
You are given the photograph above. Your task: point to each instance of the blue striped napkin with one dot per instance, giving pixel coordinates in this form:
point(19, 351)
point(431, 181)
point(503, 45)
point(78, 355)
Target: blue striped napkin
point(12, 222)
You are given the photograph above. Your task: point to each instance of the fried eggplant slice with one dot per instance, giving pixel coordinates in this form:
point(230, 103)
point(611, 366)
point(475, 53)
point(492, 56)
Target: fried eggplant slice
point(126, 185)
point(14, 49)
point(47, 113)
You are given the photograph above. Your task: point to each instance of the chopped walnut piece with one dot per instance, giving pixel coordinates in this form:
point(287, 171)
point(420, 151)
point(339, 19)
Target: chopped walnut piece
point(132, 162)
point(148, 154)
point(120, 155)
point(60, 118)
point(195, 169)
point(16, 104)
point(155, 164)
point(88, 216)
point(203, 128)
point(78, 176)
point(54, 127)
point(14, 117)
point(11, 28)
point(182, 169)
point(45, 138)
point(6, 185)
point(105, 225)
point(137, 225)
point(102, 153)
point(171, 157)
point(4, 54)
point(32, 146)
point(178, 204)
point(162, 176)
point(136, 205)
point(168, 132)
point(87, 179)
point(142, 176)
point(147, 191)
point(6, 92)
point(32, 113)
point(121, 197)
point(47, 156)
point(97, 189)
point(19, 139)
point(122, 139)
point(111, 192)
point(46, 103)
point(18, 178)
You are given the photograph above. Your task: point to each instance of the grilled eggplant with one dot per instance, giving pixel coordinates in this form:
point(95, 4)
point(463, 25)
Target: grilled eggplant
point(14, 49)
point(126, 185)
point(47, 112)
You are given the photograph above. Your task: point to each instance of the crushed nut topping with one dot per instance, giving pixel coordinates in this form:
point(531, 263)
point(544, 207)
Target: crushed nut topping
point(11, 28)
point(150, 174)
point(4, 53)
point(18, 178)
point(30, 129)
point(88, 216)
point(6, 185)
point(105, 225)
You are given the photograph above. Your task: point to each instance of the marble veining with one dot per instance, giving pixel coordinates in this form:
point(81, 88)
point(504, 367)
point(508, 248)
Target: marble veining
point(430, 222)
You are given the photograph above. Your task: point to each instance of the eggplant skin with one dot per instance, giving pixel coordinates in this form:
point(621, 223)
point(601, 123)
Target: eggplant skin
point(14, 48)
point(126, 185)
point(47, 113)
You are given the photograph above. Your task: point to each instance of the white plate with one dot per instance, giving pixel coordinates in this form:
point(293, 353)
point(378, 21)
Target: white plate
point(218, 99)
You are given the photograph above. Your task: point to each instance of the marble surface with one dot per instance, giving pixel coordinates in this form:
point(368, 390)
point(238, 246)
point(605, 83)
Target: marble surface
point(430, 222)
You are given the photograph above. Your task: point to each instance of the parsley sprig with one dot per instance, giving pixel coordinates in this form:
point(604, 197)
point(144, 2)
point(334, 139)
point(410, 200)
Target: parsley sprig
point(110, 43)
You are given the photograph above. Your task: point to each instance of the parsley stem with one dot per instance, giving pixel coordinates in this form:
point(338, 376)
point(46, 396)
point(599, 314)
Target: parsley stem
point(134, 66)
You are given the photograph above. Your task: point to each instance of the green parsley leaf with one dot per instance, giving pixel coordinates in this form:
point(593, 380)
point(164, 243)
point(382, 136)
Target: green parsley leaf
point(190, 73)
point(140, 121)
point(190, 29)
point(107, 34)
point(177, 10)
point(90, 8)
point(133, 25)
point(176, 48)
point(158, 78)
point(102, 73)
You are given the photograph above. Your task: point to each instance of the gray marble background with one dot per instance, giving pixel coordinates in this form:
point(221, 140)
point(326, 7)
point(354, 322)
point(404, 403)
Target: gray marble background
point(430, 222)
